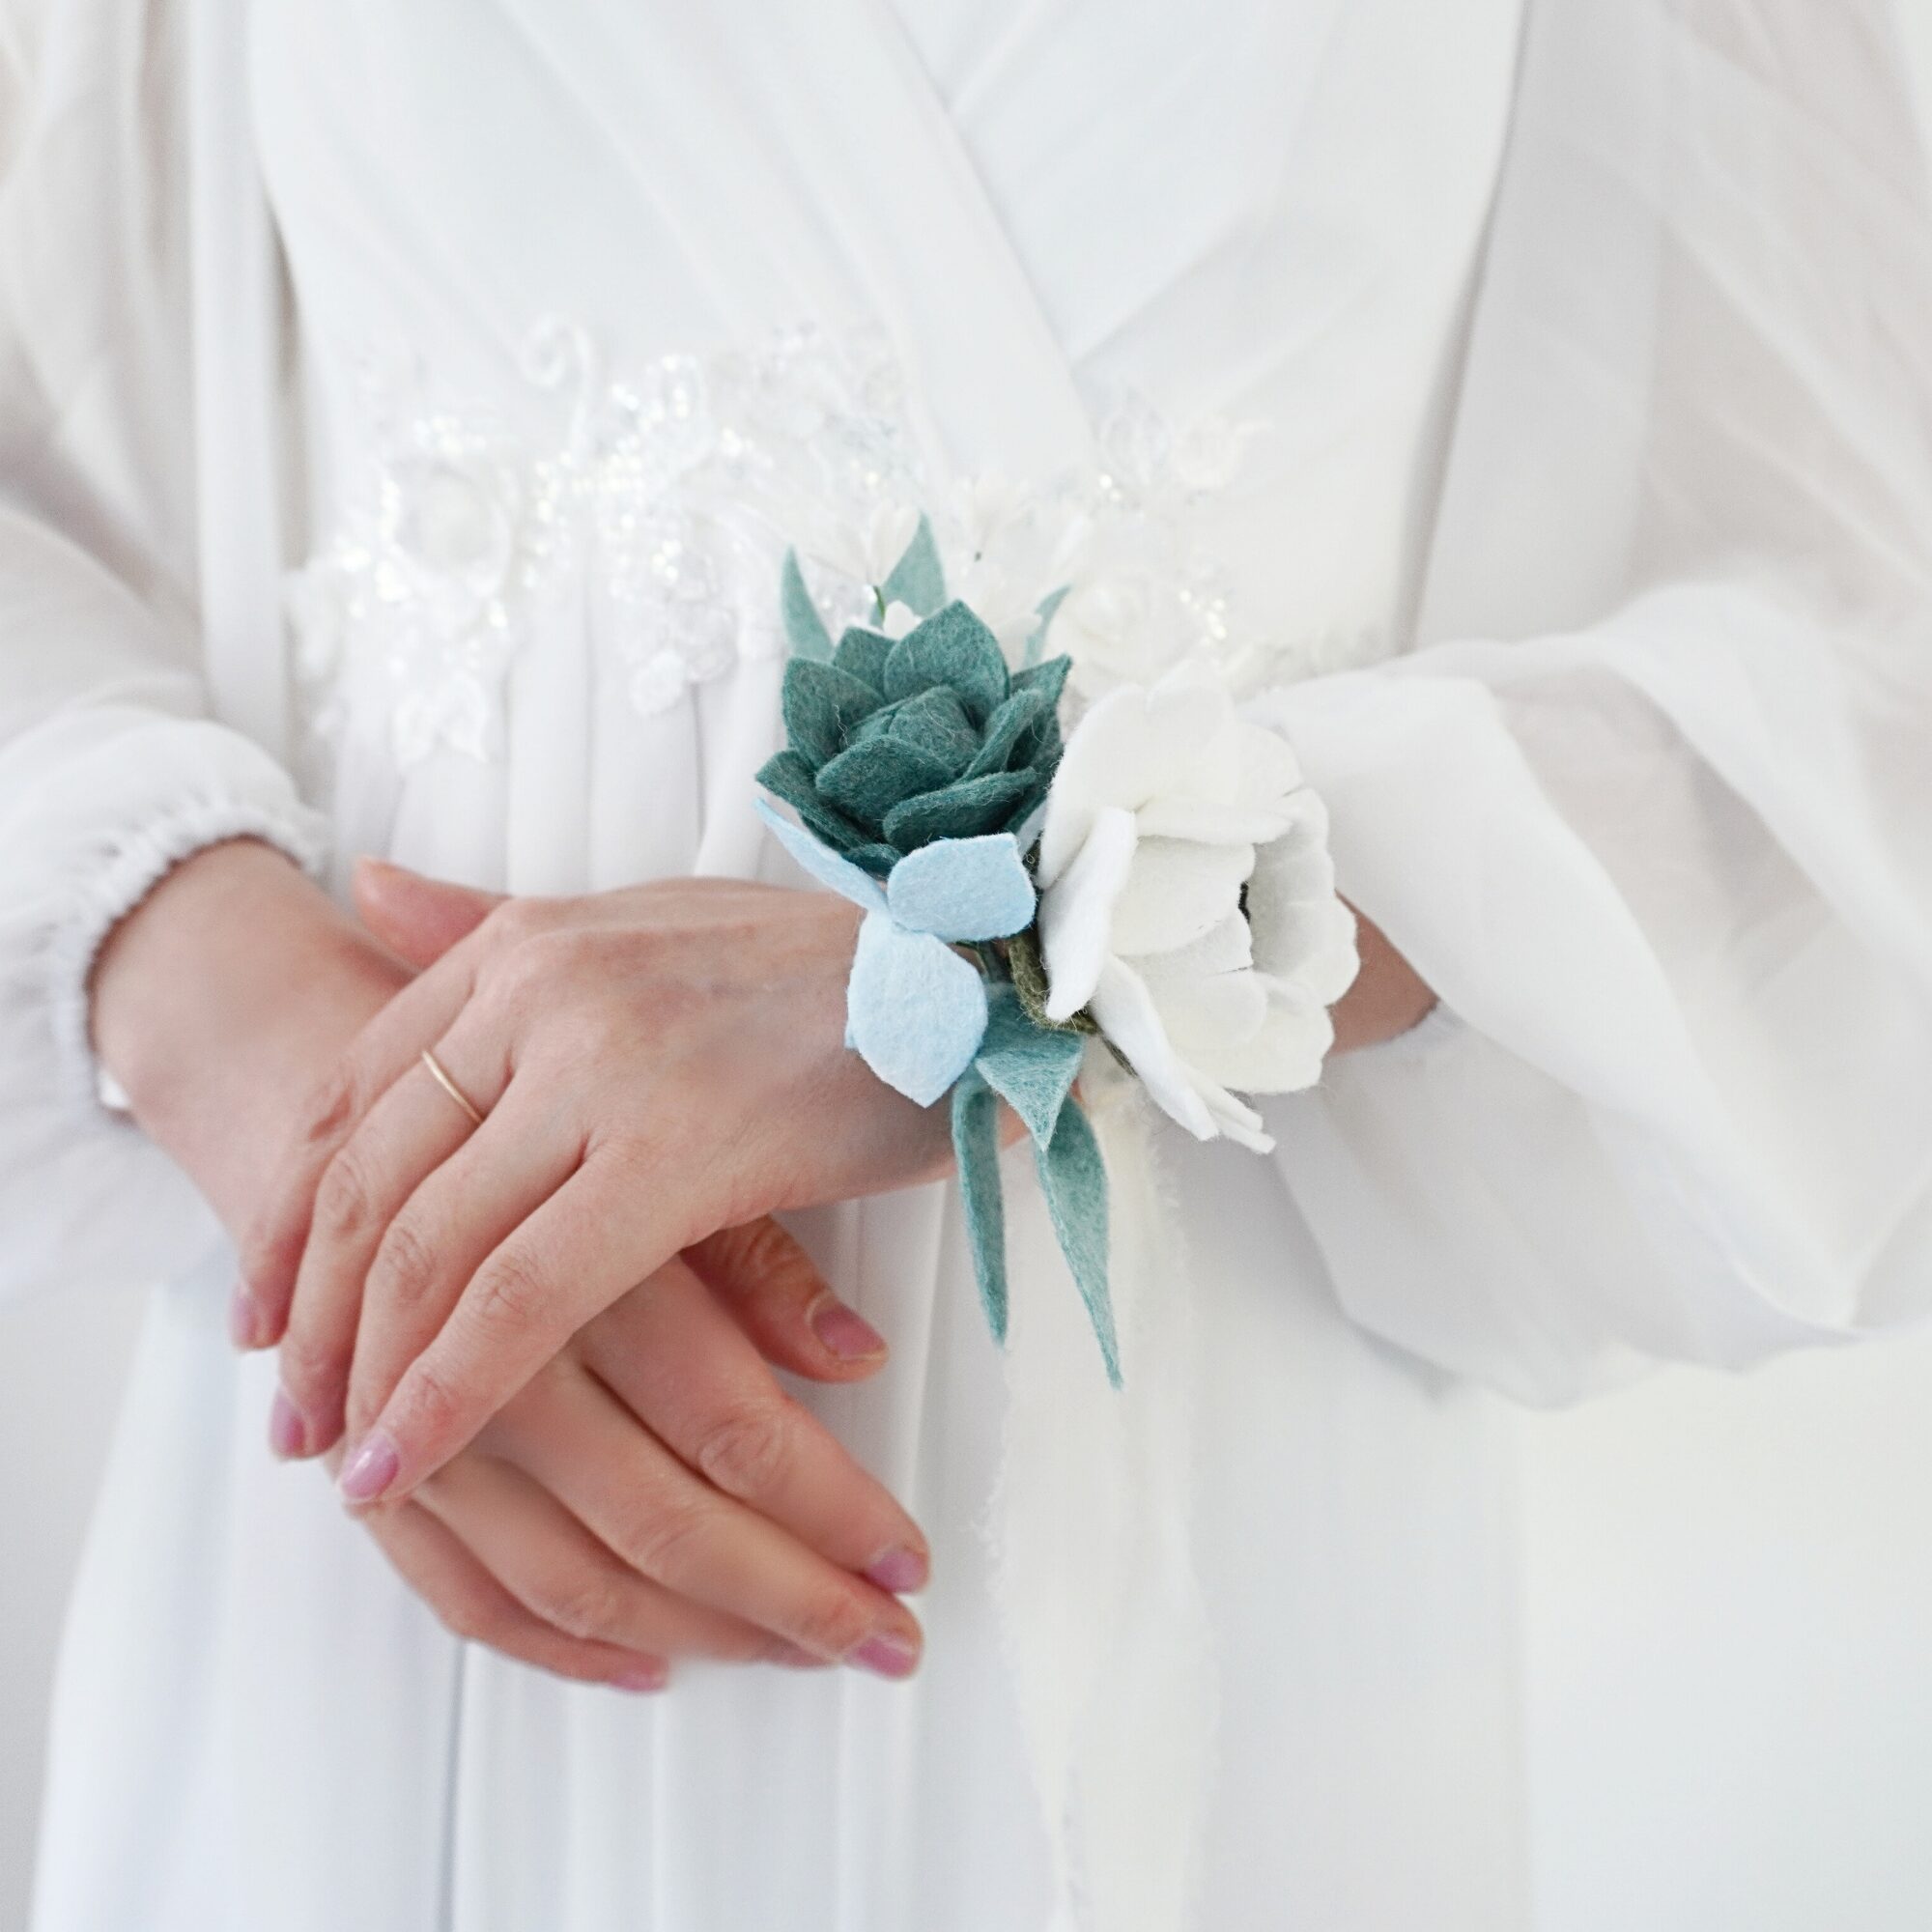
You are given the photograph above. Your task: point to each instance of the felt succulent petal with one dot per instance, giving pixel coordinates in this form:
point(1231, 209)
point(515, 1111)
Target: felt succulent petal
point(876, 859)
point(1126, 1013)
point(869, 778)
point(917, 579)
point(824, 865)
point(963, 889)
point(787, 777)
point(861, 654)
point(951, 647)
point(821, 705)
point(935, 722)
point(1048, 678)
point(960, 811)
point(1005, 729)
point(1176, 892)
point(1076, 913)
point(915, 1010)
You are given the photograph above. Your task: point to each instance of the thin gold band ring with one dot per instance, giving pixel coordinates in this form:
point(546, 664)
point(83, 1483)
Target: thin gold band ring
point(449, 1087)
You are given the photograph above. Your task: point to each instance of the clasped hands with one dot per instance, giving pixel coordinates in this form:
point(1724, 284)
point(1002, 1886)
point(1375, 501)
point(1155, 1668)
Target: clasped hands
point(540, 1350)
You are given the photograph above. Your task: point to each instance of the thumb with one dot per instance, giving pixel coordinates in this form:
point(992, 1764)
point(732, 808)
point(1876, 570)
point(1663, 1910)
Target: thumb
point(767, 1282)
point(417, 918)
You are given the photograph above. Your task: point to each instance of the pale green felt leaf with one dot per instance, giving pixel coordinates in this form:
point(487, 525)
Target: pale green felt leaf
point(872, 779)
point(822, 705)
point(863, 654)
point(787, 777)
point(917, 579)
point(803, 628)
point(951, 647)
point(976, 1146)
point(962, 811)
point(1005, 729)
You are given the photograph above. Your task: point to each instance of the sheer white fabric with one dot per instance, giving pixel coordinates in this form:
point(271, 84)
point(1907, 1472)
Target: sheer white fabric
point(1611, 483)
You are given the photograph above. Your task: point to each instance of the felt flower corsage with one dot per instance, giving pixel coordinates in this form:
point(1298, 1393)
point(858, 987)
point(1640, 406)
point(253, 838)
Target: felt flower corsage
point(1157, 884)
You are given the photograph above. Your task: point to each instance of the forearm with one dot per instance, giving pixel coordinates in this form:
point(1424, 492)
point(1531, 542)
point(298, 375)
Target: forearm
point(1387, 998)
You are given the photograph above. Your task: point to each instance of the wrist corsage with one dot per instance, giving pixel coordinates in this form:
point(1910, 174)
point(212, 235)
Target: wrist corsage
point(1157, 884)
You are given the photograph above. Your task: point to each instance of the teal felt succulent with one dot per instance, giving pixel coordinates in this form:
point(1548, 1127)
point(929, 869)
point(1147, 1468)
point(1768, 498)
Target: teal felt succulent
point(891, 744)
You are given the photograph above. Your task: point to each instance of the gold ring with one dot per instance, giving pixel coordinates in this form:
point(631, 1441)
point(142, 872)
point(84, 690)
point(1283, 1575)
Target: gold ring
point(450, 1086)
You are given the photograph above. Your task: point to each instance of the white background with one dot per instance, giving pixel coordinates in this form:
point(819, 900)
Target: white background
point(1727, 1604)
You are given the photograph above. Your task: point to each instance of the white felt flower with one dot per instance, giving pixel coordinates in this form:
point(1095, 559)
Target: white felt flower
point(1188, 902)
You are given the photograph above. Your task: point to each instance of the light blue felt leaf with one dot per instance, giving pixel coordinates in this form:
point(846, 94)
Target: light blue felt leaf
point(963, 889)
point(976, 1147)
point(914, 1010)
point(803, 628)
point(1031, 1068)
point(917, 579)
point(824, 865)
point(1074, 1179)
point(1036, 645)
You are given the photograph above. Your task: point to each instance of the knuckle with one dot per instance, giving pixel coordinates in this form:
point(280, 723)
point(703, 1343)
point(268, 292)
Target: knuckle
point(666, 1540)
point(406, 1267)
point(588, 1605)
point(310, 1366)
point(511, 1292)
point(746, 1450)
point(344, 1203)
point(831, 1622)
point(430, 1403)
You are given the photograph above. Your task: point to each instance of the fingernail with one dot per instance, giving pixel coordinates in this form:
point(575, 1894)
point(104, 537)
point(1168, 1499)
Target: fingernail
point(371, 1470)
point(847, 1334)
point(646, 1678)
point(886, 1656)
point(288, 1432)
point(244, 1317)
point(900, 1569)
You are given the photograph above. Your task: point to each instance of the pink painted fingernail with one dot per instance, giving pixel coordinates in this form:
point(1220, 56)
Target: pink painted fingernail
point(245, 1319)
point(886, 1656)
point(646, 1678)
point(847, 1334)
point(900, 1569)
point(288, 1432)
point(371, 1470)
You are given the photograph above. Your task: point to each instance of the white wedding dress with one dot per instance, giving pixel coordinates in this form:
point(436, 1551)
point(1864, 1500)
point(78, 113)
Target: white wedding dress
point(364, 369)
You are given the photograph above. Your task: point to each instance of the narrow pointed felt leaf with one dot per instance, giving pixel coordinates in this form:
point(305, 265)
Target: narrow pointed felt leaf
point(1031, 1068)
point(963, 889)
point(976, 1147)
point(1036, 645)
point(787, 777)
point(822, 705)
point(863, 654)
point(1005, 729)
point(917, 579)
point(914, 1008)
point(935, 723)
point(870, 779)
point(961, 810)
point(951, 647)
point(1049, 677)
point(824, 865)
point(803, 628)
point(1073, 1178)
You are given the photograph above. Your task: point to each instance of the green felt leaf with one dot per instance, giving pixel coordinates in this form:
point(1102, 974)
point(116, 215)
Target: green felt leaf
point(951, 647)
point(936, 722)
point(917, 579)
point(1036, 645)
point(1074, 1180)
point(790, 779)
point(976, 1146)
point(871, 779)
point(1033, 1069)
point(964, 810)
point(822, 704)
point(1005, 729)
point(1049, 677)
point(863, 654)
point(803, 628)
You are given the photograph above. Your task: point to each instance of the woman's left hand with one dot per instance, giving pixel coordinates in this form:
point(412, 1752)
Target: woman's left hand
point(652, 1064)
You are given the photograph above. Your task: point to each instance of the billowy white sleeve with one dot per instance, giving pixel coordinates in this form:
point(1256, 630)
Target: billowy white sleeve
point(111, 769)
point(1650, 805)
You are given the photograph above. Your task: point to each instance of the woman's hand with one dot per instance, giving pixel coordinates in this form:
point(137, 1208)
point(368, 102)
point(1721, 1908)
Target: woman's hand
point(653, 1064)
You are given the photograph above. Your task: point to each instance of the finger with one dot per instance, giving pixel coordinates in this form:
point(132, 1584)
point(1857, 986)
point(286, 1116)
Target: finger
point(454, 1218)
point(679, 1362)
point(411, 1132)
point(780, 1300)
point(389, 1047)
point(417, 918)
point(623, 1485)
point(471, 1605)
point(599, 1235)
point(568, 1580)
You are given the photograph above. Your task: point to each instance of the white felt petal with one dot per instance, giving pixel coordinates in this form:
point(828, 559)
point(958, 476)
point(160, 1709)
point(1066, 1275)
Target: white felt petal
point(1233, 1119)
point(1076, 914)
point(1213, 822)
point(1209, 1011)
point(1110, 759)
point(1226, 947)
point(1176, 892)
point(1125, 1012)
point(1284, 1055)
point(1269, 769)
point(963, 889)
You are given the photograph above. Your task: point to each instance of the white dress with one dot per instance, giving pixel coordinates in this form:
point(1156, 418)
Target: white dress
point(1589, 521)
